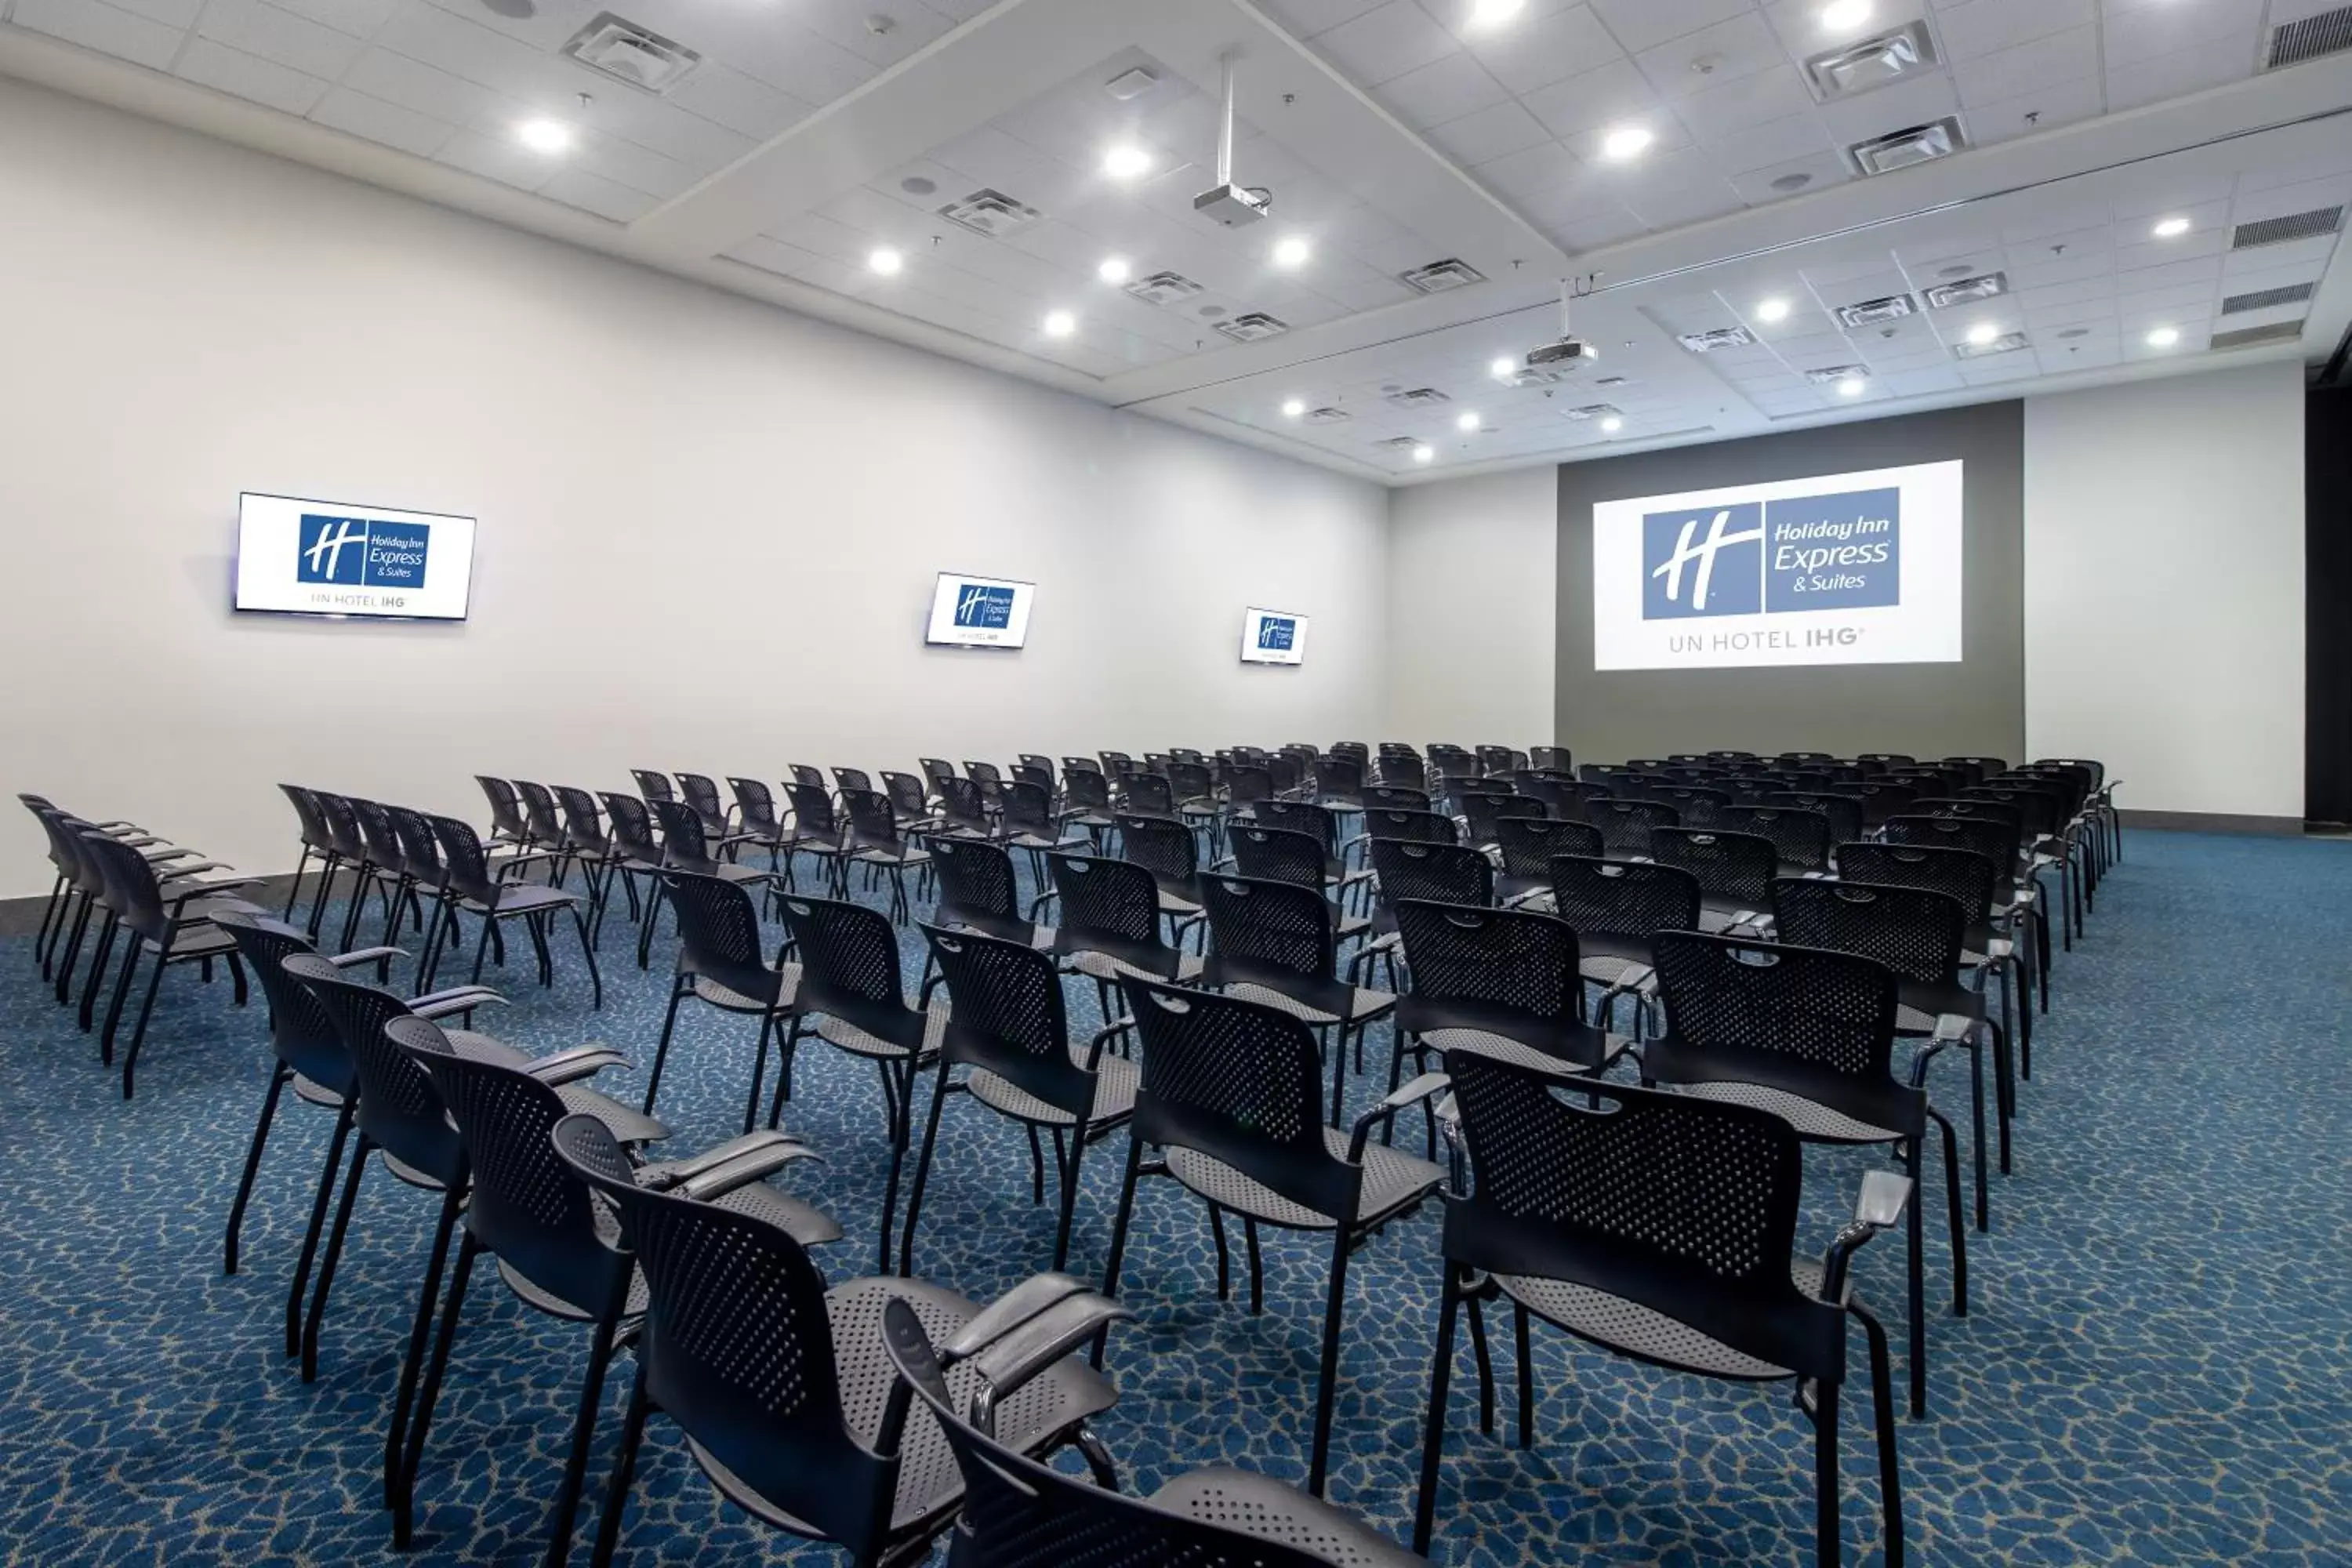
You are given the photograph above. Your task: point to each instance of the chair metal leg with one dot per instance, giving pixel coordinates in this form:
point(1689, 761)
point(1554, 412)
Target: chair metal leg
point(1327, 1382)
point(1526, 1354)
point(1069, 1195)
point(588, 952)
point(1433, 1435)
point(1224, 1254)
point(64, 964)
point(624, 1469)
point(678, 994)
point(902, 1095)
point(1036, 1166)
point(452, 1202)
point(1977, 1048)
point(1955, 1215)
point(1825, 1474)
point(106, 931)
point(1485, 1359)
point(1916, 1286)
point(1118, 1230)
point(317, 1228)
point(49, 917)
point(923, 1174)
point(1882, 1399)
point(278, 1075)
point(146, 1012)
point(583, 1437)
point(115, 1001)
point(1257, 1265)
point(404, 1503)
point(327, 1263)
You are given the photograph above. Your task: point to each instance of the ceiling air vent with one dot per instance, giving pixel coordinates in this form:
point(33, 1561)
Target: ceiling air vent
point(1441, 277)
point(1164, 289)
point(1592, 411)
point(2325, 33)
point(632, 56)
point(1328, 416)
point(1419, 397)
point(1719, 339)
point(2008, 343)
point(2280, 230)
point(1914, 145)
point(1967, 290)
point(992, 214)
point(1873, 62)
point(1131, 84)
point(1873, 313)
point(2266, 299)
point(1535, 375)
point(1399, 443)
point(1832, 374)
point(2249, 337)
point(1253, 328)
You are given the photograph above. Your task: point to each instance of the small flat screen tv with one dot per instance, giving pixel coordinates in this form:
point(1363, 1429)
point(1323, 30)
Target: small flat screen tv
point(979, 612)
point(300, 557)
point(1273, 636)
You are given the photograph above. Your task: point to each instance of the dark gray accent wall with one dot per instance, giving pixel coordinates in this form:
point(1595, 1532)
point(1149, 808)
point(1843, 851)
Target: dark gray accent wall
point(1976, 707)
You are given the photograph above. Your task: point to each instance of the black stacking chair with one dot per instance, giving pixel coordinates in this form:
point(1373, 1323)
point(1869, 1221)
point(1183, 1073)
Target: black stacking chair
point(1507, 982)
point(1247, 785)
point(762, 826)
point(637, 852)
point(555, 1248)
point(1992, 831)
point(1695, 805)
point(1916, 933)
point(1435, 873)
point(1482, 813)
point(1276, 943)
point(1662, 1227)
point(721, 831)
point(1551, 758)
point(1029, 824)
point(653, 785)
point(963, 809)
point(977, 891)
point(876, 842)
point(591, 848)
point(687, 846)
point(77, 861)
point(543, 820)
point(1109, 923)
point(1286, 855)
point(720, 964)
point(1086, 803)
point(1320, 823)
point(787, 1401)
point(1018, 1513)
point(1339, 783)
point(1809, 1036)
point(75, 886)
point(1625, 824)
point(311, 1055)
point(316, 840)
point(1229, 1096)
point(1734, 871)
point(386, 871)
point(470, 890)
point(351, 851)
point(1413, 824)
point(1528, 844)
point(1395, 797)
point(1615, 907)
point(2043, 842)
point(1166, 848)
point(1404, 770)
point(1007, 1027)
point(812, 777)
point(1197, 807)
point(508, 828)
point(819, 831)
point(1843, 810)
point(1146, 794)
point(850, 986)
point(173, 920)
point(847, 779)
point(1800, 838)
point(934, 770)
point(1564, 799)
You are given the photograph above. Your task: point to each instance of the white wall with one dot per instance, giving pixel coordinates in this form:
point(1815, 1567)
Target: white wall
point(2164, 587)
point(709, 528)
point(1473, 582)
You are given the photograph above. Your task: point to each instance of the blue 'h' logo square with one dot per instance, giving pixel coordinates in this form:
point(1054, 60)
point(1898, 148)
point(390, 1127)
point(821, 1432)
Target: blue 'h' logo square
point(984, 608)
point(1709, 562)
point(1276, 633)
point(331, 549)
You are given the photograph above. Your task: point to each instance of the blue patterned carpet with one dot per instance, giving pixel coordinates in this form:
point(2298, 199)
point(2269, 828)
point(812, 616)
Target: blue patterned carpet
point(2157, 1371)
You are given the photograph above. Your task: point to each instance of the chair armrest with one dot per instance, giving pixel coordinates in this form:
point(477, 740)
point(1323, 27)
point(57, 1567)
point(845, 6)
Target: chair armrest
point(572, 1065)
point(457, 999)
point(1009, 1363)
point(1878, 1206)
point(1026, 1300)
point(1419, 1089)
point(1951, 1029)
point(738, 1162)
point(1104, 1036)
point(367, 955)
point(1641, 981)
point(155, 852)
point(176, 872)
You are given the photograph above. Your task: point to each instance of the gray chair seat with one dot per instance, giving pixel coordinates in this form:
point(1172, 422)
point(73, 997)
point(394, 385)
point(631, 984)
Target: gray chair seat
point(857, 1042)
point(1115, 1080)
point(1283, 1516)
point(1364, 1006)
point(1807, 1117)
point(718, 996)
point(1639, 1331)
point(1502, 1047)
point(1103, 966)
point(1392, 1181)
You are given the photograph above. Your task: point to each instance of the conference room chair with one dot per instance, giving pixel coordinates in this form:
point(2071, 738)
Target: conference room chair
point(1841, 809)
point(470, 889)
point(508, 828)
point(762, 826)
point(1086, 803)
point(1432, 872)
point(1917, 933)
point(1550, 758)
point(1321, 824)
point(1040, 761)
point(2044, 842)
point(1625, 823)
point(1288, 854)
point(910, 801)
point(77, 866)
point(1886, 759)
point(351, 852)
point(1882, 799)
point(1194, 788)
point(1992, 831)
point(989, 779)
point(721, 832)
point(978, 891)
point(389, 873)
point(1276, 943)
point(686, 846)
point(170, 919)
point(1166, 848)
point(1800, 839)
point(1660, 1227)
point(1287, 774)
point(847, 779)
point(1146, 794)
point(1107, 923)
point(814, 777)
point(600, 859)
point(1228, 1096)
point(653, 785)
point(637, 852)
point(2100, 796)
point(820, 833)
point(311, 823)
point(853, 997)
point(1734, 872)
point(1008, 1029)
point(961, 811)
point(544, 821)
point(934, 769)
point(1694, 805)
point(556, 1251)
point(720, 964)
point(1809, 1036)
point(1527, 846)
point(1563, 798)
point(1615, 907)
point(1030, 823)
point(788, 1402)
point(1415, 824)
point(1400, 771)
point(876, 842)
point(1338, 783)
point(1039, 773)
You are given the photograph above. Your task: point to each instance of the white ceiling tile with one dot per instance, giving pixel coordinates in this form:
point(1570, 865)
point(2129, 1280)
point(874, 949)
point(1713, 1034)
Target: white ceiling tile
point(1924, 383)
point(106, 28)
point(1304, 18)
point(225, 70)
point(797, 61)
point(1547, 49)
point(592, 192)
point(1799, 23)
point(2034, 67)
point(1538, 172)
point(771, 256)
point(279, 36)
point(1981, 28)
point(374, 119)
point(1795, 139)
point(1384, 44)
point(742, 105)
point(1821, 171)
point(360, 18)
point(2065, 104)
point(1445, 88)
point(481, 55)
point(1718, 114)
point(1674, 206)
point(1888, 108)
point(1643, 24)
point(498, 158)
point(180, 13)
point(1712, 56)
point(1593, 229)
point(1492, 134)
point(849, 26)
point(2144, 32)
point(2179, 74)
point(1606, 95)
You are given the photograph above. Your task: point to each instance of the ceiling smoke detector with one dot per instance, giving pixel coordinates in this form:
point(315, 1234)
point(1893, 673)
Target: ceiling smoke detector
point(1872, 62)
point(1912, 145)
point(1441, 277)
point(1967, 290)
point(990, 213)
point(632, 56)
point(1871, 312)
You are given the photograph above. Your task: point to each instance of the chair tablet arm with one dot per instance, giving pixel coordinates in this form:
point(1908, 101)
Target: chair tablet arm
point(1419, 1089)
point(367, 955)
point(1104, 1036)
point(1878, 1206)
point(457, 999)
point(1007, 1364)
point(572, 1065)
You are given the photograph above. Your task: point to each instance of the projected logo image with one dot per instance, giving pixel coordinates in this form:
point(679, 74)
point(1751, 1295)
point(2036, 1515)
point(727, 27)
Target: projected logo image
point(356, 553)
point(1785, 556)
point(1277, 633)
point(984, 608)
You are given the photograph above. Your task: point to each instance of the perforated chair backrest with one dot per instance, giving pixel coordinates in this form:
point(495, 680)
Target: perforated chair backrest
point(1191, 781)
point(1686, 1205)
point(653, 785)
point(583, 825)
point(1164, 847)
point(1287, 773)
point(1106, 898)
point(976, 884)
point(1439, 873)
point(1248, 785)
point(342, 824)
point(1278, 926)
point(1029, 808)
point(962, 806)
point(1039, 775)
point(312, 822)
point(702, 793)
point(383, 838)
point(1339, 777)
point(935, 769)
point(1530, 844)
point(1843, 812)
point(399, 1109)
point(755, 806)
point(987, 776)
point(1734, 865)
point(1798, 1019)
point(540, 811)
point(1963, 875)
point(682, 844)
point(132, 891)
point(1006, 1015)
point(812, 810)
point(848, 779)
point(1622, 898)
point(1995, 840)
point(1625, 824)
point(1554, 757)
point(506, 808)
point(633, 828)
point(1394, 798)
point(1149, 795)
point(420, 851)
point(1800, 838)
point(465, 869)
point(1882, 799)
point(1415, 825)
point(1301, 817)
point(1276, 853)
point(1512, 964)
point(719, 933)
point(1086, 791)
point(803, 774)
point(1407, 772)
point(1046, 764)
point(738, 1347)
point(870, 816)
point(1485, 812)
point(1695, 805)
point(1914, 932)
point(300, 1029)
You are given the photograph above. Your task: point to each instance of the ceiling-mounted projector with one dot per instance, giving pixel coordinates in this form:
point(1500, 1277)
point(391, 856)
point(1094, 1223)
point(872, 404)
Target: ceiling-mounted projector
point(1568, 349)
point(1234, 205)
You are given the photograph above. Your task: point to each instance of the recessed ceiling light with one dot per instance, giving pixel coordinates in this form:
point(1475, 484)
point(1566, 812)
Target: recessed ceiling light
point(1627, 141)
point(1852, 386)
point(1495, 12)
point(1294, 409)
point(1115, 270)
point(1613, 424)
point(886, 261)
point(1841, 16)
point(545, 135)
point(1505, 367)
point(2164, 337)
point(1126, 161)
point(1772, 311)
point(1060, 324)
point(2170, 228)
point(1424, 453)
point(1292, 251)
point(1466, 422)
point(1983, 333)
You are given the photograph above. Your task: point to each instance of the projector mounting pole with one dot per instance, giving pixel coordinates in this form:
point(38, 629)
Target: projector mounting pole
point(1225, 125)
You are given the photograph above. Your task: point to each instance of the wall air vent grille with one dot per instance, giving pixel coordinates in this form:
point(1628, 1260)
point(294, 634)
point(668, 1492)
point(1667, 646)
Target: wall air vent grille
point(2292, 43)
point(2266, 299)
point(2253, 337)
point(2283, 231)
